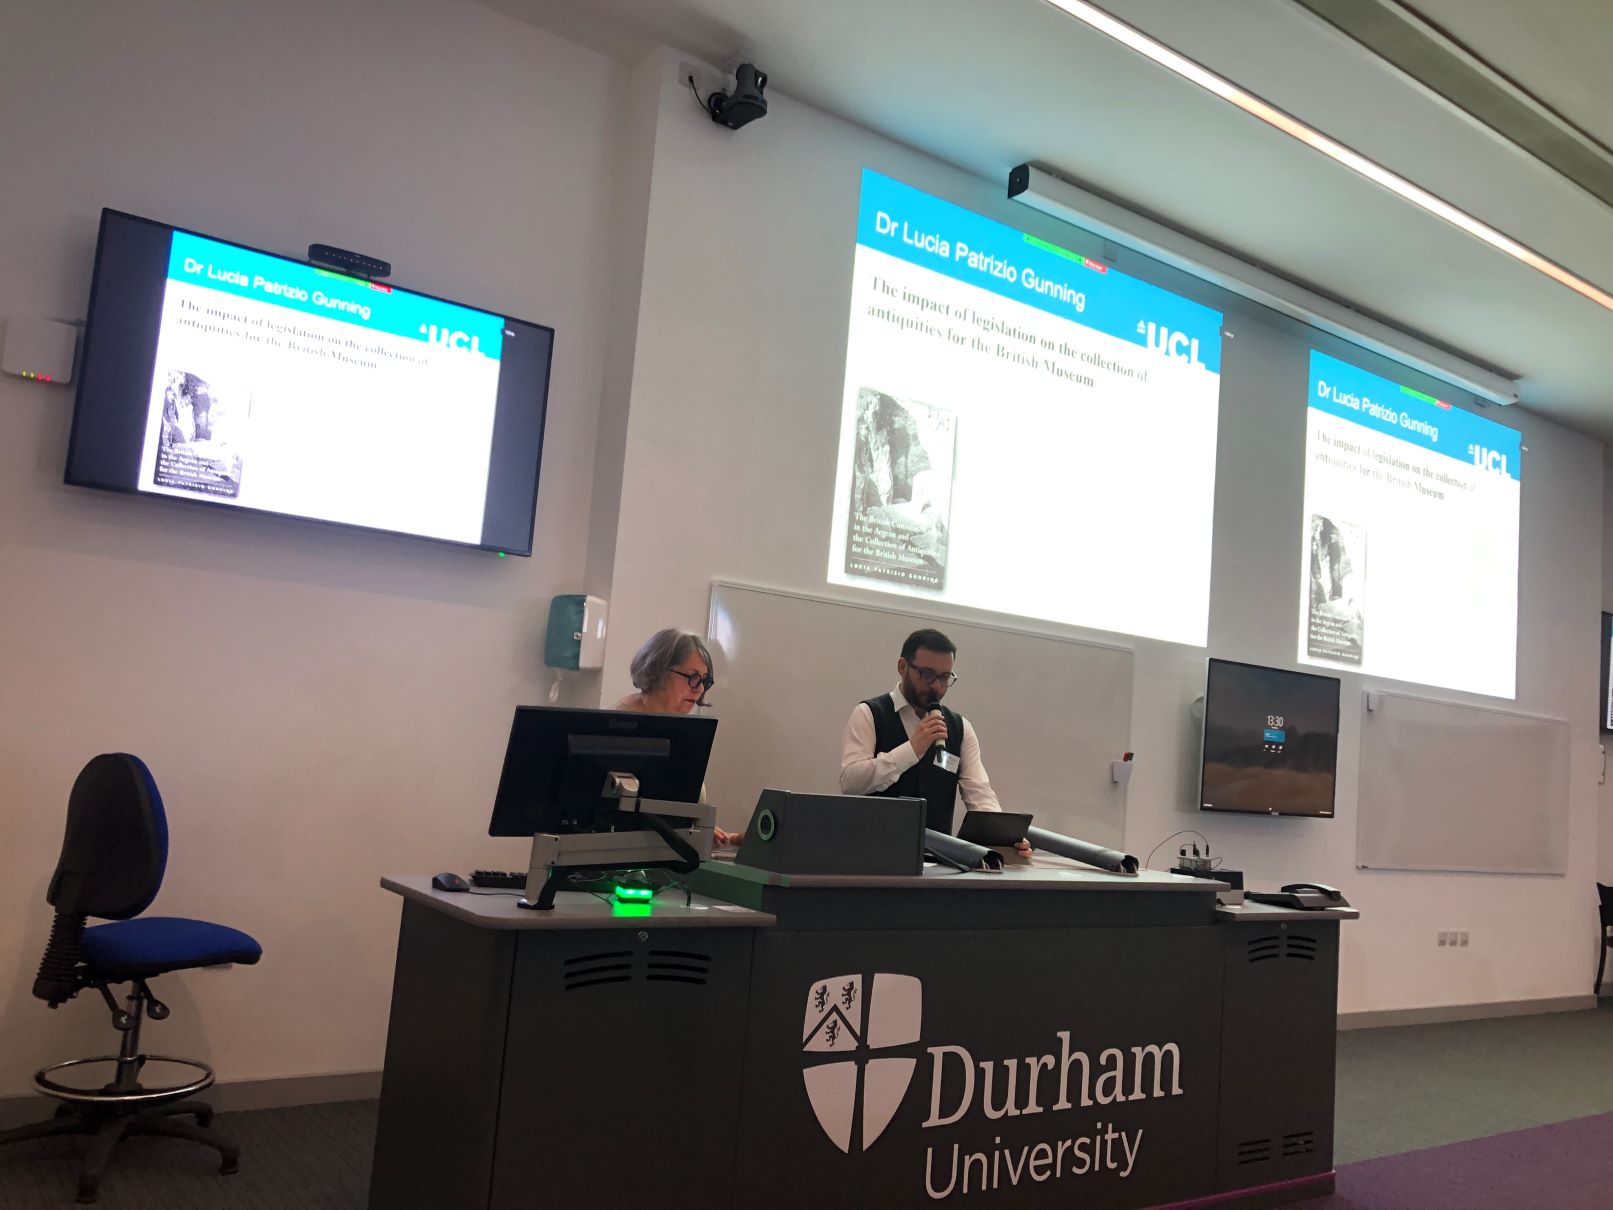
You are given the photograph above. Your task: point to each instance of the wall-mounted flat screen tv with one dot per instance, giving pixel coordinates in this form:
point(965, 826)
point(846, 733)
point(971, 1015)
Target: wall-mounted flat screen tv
point(1607, 672)
point(223, 375)
point(1271, 741)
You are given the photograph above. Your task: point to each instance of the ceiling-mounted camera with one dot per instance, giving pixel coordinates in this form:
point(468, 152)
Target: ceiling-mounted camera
point(745, 104)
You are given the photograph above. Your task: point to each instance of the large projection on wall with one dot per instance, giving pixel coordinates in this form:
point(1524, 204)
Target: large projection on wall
point(1409, 539)
point(1023, 430)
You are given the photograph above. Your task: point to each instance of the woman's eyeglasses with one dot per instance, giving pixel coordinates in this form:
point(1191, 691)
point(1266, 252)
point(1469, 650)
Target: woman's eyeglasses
point(697, 680)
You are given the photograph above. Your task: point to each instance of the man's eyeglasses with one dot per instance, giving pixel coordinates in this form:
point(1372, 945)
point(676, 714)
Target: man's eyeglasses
point(930, 676)
point(697, 680)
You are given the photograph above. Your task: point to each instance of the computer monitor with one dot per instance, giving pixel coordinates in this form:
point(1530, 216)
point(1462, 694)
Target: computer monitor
point(559, 757)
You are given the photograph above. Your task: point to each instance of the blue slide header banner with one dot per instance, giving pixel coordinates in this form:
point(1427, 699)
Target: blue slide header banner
point(1341, 389)
point(913, 226)
point(303, 288)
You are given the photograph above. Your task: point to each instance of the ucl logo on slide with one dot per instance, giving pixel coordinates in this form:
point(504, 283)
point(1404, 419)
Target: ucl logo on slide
point(1490, 460)
point(853, 1015)
point(1178, 346)
point(450, 338)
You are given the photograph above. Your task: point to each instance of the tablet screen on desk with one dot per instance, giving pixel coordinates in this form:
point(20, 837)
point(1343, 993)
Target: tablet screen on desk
point(994, 829)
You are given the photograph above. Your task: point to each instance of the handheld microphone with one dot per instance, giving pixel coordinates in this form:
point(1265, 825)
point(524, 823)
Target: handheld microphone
point(942, 757)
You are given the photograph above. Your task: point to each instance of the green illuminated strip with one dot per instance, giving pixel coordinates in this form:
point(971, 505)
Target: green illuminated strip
point(1055, 249)
point(357, 281)
point(1418, 395)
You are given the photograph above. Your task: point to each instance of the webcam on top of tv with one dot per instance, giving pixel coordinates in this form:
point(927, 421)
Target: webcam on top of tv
point(354, 264)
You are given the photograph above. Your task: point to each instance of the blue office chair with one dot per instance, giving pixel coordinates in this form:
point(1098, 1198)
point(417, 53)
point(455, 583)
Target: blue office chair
point(112, 862)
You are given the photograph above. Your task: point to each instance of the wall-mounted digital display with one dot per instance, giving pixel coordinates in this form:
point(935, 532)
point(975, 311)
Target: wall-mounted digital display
point(1607, 672)
point(1271, 740)
point(223, 375)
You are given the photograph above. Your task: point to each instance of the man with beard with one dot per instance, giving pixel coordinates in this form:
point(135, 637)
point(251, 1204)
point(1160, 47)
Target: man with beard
point(887, 742)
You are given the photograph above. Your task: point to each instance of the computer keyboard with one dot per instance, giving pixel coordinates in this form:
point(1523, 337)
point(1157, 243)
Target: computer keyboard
point(499, 878)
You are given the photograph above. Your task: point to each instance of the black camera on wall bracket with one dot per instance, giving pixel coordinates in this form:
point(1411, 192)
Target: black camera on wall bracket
point(745, 104)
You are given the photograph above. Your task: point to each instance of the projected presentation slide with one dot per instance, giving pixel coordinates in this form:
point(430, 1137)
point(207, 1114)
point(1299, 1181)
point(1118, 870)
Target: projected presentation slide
point(1023, 430)
point(1409, 542)
point(293, 389)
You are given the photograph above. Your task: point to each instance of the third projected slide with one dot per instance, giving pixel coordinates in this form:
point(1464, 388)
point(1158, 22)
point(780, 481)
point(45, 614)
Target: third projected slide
point(1409, 540)
point(1023, 430)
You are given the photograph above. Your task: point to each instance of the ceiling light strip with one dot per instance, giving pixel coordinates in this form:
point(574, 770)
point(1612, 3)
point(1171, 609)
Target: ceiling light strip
point(1396, 184)
point(1058, 198)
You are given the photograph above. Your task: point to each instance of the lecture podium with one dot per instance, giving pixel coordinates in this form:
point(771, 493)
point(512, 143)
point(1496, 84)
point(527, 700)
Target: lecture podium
point(573, 1057)
point(1048, 1036)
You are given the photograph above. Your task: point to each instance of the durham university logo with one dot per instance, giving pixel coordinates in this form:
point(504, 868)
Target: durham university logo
point(854, 1089)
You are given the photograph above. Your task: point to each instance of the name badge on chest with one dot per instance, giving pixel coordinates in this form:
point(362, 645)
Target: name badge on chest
point(948, 761)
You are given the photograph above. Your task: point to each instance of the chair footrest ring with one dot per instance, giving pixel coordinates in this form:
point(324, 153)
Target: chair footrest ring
point(109, 1095)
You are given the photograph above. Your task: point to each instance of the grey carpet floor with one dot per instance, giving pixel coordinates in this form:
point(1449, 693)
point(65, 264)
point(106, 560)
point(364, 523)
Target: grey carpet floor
point(316, 1157)
point(1400, 1089)
point(1416, 1086)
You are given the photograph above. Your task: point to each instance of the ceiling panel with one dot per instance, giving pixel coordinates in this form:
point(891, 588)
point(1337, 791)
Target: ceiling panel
point(1559, 50)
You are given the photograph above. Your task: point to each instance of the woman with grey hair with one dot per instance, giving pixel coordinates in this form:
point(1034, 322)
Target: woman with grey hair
point(671, 674)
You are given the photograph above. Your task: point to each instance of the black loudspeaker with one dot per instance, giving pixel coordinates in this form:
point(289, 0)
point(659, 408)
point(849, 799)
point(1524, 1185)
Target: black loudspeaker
point(834, 834)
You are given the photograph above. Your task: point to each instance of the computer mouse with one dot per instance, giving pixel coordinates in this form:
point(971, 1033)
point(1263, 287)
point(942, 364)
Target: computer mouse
point(448, 882)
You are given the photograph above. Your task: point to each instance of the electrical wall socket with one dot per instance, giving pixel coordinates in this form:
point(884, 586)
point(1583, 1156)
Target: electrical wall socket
point(1461, 937)
point(1444, 936)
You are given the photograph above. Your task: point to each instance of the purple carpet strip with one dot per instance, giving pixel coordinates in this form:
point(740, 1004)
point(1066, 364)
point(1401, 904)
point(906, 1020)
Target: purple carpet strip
point(1564, 1166)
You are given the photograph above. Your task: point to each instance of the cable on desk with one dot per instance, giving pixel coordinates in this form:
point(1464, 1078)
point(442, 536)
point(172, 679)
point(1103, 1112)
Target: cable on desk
point(1184, 832)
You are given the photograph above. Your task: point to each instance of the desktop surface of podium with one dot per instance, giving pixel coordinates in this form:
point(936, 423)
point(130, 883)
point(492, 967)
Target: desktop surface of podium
point(1046, 1036)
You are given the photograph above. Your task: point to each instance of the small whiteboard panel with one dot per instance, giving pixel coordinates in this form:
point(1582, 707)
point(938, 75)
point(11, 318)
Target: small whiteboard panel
point(1051, 712)
point(1451, 787)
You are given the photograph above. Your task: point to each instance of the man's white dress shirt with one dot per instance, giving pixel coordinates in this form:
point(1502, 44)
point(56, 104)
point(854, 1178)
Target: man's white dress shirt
point(862, 772)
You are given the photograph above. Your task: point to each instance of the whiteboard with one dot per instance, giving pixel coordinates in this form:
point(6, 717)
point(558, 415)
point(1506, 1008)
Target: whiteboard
point(1451, 787)
point(1050, 712)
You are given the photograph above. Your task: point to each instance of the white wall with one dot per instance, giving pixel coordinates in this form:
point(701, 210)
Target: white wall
point(733, 431)
point(319, 706)
point(641, 105)
point(730, 465)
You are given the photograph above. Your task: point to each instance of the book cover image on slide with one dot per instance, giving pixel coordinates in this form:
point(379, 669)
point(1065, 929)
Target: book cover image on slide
point(199, 449)
point(1337, 616)
point(901, 490)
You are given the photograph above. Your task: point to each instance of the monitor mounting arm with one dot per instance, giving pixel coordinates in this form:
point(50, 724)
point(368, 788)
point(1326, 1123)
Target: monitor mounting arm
point(648, 839)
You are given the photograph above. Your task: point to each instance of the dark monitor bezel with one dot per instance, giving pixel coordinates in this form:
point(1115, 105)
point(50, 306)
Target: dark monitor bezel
point(535, 763)
point(1204, 724)
point(1607, 668)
